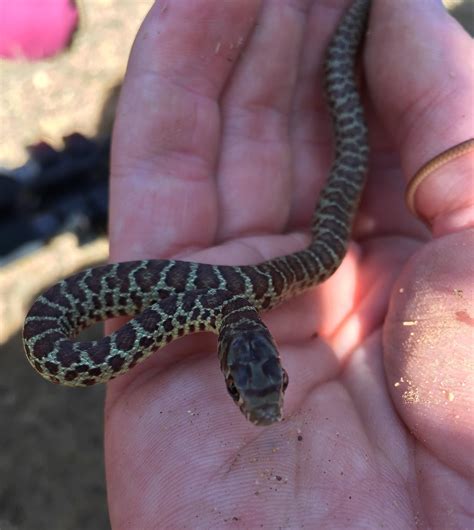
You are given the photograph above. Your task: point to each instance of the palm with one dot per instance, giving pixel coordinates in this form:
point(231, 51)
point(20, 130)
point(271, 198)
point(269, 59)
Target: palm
point(232, 159)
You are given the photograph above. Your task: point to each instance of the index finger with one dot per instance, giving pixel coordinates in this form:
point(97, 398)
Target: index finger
point(421, 81)
point(163, 197)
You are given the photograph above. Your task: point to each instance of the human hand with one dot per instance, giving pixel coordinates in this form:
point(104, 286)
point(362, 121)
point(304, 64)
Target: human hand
point(214, 159)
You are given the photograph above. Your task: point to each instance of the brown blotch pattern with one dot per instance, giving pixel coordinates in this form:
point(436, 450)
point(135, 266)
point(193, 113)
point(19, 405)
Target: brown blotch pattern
point(67, 355)
point(125, 338)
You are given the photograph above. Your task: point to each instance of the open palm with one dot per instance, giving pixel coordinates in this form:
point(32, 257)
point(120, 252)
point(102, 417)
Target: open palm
point(221, 145)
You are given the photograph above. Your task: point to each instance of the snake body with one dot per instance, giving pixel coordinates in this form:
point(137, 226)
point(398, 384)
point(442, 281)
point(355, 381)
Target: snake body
point(169, 299)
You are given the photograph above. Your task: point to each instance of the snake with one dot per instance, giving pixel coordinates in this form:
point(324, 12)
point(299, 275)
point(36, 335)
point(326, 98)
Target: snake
point(430, 167)
point(168, 298)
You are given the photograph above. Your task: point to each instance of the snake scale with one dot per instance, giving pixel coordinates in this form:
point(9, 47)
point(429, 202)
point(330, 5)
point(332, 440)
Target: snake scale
point(169, 299)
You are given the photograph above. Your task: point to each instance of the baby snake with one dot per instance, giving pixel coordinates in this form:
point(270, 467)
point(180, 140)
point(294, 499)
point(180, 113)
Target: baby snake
point(171, 298)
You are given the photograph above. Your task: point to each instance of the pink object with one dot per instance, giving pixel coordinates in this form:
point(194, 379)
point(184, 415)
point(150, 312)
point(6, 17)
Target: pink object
point(34, 29)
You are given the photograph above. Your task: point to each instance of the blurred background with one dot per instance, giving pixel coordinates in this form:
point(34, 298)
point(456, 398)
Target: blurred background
point(61, 66)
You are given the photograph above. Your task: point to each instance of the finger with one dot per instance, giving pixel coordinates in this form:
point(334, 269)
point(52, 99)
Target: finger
point(254, 170)
point(421, 85)
point(166, 136)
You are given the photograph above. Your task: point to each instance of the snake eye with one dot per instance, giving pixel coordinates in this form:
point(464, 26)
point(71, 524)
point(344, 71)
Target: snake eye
point(231, 388)
point(285, 380)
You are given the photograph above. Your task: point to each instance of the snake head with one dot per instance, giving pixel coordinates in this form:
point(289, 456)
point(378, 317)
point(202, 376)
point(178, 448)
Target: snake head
point(254, 376)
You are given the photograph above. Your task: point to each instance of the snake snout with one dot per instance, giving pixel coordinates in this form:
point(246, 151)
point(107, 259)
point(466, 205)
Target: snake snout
point(266, 414)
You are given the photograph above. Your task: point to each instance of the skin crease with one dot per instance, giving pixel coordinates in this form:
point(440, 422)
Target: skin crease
point(213, 160)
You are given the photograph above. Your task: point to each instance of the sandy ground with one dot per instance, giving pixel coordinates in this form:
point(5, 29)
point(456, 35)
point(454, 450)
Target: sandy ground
point(51, 463)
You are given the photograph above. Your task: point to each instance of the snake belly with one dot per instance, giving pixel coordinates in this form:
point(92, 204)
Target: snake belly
point(168, 299)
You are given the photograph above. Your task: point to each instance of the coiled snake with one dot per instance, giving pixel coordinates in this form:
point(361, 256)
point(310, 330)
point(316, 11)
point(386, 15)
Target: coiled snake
point(174, 298)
